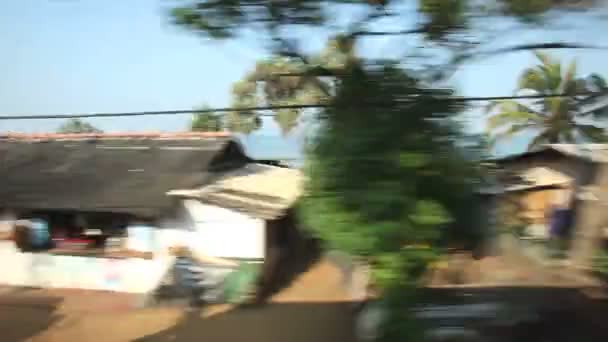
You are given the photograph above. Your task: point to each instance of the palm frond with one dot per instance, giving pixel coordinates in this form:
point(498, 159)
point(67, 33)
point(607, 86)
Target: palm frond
point(287, 119)
point(557, 107)
point(569, 82)
point(508, 133)
point(600, 112)
point(592, 133)
point(504, 118)
point(543, 57)
point(533, 79)
point(597, 83)
point(540, 139)
point(510, 106)
point(552, 74)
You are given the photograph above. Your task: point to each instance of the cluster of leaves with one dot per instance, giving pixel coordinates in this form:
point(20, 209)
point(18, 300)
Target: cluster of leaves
point(77, 126)
point(278, 81)
point(283, 81)
point(530, 10)
point(227, 18)
point(224, 18)
point(207, 122)
point(553, 119)
point(385, 178)
point(600, 262)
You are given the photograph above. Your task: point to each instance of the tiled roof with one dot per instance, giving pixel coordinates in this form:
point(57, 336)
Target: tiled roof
point(127, 172)
point(113, 136)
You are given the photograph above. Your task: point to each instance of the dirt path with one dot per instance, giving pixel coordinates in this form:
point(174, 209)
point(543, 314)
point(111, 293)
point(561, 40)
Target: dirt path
point(313, 308)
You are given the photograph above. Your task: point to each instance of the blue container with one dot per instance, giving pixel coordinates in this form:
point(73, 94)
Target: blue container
point(40, 233)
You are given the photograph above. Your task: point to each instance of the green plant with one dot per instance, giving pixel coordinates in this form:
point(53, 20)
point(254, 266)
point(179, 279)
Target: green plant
point(552, 119)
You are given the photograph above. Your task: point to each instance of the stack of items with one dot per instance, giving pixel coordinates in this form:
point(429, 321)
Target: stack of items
point(114, 244)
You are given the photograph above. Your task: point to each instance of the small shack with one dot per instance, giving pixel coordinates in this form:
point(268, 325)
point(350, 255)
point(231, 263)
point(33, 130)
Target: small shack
point(109, 211)
point(99, 203)
point(531, 184)
point(255, 207)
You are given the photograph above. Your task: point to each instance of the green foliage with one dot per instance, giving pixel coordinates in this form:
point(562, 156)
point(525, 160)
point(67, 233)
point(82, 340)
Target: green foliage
point(533, 10)
point(385, 179)
point(390, 179)
point(206, 122)
point(443, 16)
point(600, 262)
point(223, 19)
point(277, 81)
point(240, 283)
point(554, 119)
point(77, 126)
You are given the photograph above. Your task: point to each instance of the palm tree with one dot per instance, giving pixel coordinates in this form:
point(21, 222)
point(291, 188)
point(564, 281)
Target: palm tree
point(567, 119)
point(77, 126)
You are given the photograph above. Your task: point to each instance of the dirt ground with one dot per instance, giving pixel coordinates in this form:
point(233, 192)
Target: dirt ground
point(314, 307)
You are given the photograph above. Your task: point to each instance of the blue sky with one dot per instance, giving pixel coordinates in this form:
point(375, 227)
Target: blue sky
point(70, 56)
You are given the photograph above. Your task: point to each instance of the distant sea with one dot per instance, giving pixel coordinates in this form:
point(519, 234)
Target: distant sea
point(270, 147)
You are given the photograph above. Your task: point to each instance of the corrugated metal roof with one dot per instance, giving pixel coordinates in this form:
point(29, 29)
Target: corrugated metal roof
point(258, 190)
point(597, 153)
point(593, 152)
point(536, 177)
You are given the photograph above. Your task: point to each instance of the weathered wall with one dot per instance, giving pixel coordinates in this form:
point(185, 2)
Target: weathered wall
point(590, 222)
point(223, 233)
point(581, 171)
point(7, 218)
point(91, 273)
point(530, 206)
point(210, 230)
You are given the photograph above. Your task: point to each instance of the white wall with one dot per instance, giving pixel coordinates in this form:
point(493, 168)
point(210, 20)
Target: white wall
point(224, 233)
point(57, 271)
point(7, 218)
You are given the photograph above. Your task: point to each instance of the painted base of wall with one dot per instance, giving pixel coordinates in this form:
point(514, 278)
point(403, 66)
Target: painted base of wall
point(130, 275)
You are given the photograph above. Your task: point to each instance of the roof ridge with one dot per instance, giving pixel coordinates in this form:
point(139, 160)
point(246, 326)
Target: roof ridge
point(112, 135)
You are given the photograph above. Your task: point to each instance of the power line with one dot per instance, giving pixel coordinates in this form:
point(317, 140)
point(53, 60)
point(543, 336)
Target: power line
point(160, 112)
point(279, 107)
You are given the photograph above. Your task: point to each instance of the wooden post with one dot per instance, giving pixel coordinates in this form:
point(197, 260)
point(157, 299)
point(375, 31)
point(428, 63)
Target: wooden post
point(590, 219)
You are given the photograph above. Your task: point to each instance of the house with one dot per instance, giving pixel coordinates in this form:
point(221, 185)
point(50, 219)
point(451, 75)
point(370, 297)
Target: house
point(247, 214)
point(556, 175)
point(114, 206)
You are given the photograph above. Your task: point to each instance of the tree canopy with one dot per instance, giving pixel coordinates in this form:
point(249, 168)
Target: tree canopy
point(450, 33)
point(390, 171)
point(206, 122)
point(285, 81)
point(77, 126)
point(567, 119)
point(228, 18)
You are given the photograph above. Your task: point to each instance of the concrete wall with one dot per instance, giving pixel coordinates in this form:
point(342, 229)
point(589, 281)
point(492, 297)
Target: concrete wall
point(6, 220)
point(224, 233)
point(131, 275)
point(209, 230)
point(92, 273)
point(213, 231)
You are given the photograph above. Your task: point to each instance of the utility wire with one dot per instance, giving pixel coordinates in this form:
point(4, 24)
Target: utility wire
point(279, 107)
point(160, 112)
